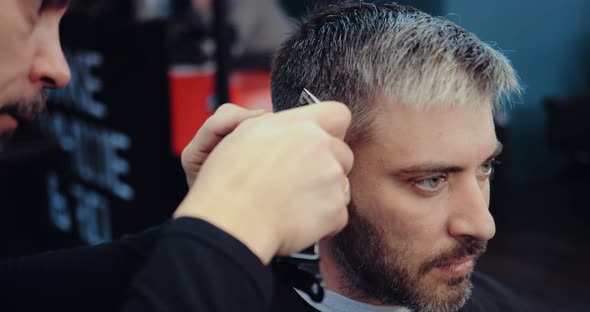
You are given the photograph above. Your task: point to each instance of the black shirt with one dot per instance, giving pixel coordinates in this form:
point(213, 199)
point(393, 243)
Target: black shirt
point(186, 265)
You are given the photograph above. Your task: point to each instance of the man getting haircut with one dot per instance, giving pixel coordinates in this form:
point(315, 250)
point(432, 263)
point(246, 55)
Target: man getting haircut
point(422, 92)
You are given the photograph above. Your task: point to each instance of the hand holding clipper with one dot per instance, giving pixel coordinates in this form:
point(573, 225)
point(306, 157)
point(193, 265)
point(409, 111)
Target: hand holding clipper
point(301, 269)
point(312, 253)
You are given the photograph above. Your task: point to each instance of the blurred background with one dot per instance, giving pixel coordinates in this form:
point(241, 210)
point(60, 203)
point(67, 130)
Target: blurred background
point(104, 159)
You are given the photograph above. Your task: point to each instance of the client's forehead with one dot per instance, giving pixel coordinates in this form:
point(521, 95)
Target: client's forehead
point(438, 134)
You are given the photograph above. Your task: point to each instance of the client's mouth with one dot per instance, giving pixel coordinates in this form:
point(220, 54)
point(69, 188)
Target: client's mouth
point(458, 267)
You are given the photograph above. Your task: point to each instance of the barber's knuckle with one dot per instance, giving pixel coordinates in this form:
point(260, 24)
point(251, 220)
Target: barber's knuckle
point(226, 108)
point(184, 156)
point(223, 114)
point(342, 218)
point(350, 154)
point(345, 196)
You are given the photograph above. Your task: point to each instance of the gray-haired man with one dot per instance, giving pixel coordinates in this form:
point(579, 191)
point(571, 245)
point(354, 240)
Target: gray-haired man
point(422, 92)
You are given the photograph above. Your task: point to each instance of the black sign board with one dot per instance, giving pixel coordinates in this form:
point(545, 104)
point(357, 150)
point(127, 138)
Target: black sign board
point(112, 122)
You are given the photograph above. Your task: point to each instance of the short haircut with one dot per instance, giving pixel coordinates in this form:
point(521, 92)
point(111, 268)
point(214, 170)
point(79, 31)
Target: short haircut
point(357, 52)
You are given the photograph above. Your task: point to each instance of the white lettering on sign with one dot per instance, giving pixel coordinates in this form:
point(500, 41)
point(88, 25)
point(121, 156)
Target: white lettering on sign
point(58, 206)
point(96, 151)
point(83, 86)
point(93, 215)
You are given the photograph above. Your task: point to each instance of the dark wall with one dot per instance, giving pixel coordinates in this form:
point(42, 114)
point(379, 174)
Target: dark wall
point(548, 44)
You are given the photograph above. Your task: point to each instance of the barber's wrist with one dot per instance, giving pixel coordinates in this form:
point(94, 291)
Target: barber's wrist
point(258, 236)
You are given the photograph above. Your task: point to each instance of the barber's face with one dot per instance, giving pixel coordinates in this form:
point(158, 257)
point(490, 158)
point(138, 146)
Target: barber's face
point(419, 215)
point(31, 58)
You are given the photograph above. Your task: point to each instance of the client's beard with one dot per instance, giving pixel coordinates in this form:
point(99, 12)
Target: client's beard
point(373, 271)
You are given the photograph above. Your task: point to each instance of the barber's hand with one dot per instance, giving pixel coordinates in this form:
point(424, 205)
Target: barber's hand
point(226, 118)
point(278, 181)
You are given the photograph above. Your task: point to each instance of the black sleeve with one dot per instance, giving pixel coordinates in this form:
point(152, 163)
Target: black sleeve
point(195, 266)
point(82, 279)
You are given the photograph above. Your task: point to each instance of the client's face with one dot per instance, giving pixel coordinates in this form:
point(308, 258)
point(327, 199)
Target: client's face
point(419, 211)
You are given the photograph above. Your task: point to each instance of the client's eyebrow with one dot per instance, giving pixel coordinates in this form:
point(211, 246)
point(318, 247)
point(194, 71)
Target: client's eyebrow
point(434, 167)
point(496, 153)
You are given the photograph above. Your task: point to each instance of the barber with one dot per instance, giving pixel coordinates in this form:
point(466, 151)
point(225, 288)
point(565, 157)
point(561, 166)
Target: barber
point(261, 185)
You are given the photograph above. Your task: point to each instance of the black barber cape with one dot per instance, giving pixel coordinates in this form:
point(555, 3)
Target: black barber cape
point(186, 265)
point(487, 295)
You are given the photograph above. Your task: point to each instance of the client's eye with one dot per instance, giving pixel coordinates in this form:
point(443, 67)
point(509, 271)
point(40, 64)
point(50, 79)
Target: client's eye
point(487, 169)
point(430, 184)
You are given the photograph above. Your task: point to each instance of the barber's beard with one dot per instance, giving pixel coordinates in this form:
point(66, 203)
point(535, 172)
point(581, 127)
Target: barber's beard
point(374, 271)
point(23, 109)
point(25, 106)
point(4, 138)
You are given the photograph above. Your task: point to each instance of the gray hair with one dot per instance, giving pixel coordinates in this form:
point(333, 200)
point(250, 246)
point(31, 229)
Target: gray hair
point(357, 52)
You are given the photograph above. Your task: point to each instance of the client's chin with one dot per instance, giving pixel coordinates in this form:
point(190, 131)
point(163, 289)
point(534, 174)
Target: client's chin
point(443, 294)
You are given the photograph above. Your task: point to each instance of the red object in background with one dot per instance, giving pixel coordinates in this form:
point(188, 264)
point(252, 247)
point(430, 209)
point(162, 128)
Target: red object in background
point(192, 91)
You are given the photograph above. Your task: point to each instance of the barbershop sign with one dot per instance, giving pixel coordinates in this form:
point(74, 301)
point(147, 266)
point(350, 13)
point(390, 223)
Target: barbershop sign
point(112, 122)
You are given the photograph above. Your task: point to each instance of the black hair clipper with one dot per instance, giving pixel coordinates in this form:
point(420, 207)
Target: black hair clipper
point(301, 270)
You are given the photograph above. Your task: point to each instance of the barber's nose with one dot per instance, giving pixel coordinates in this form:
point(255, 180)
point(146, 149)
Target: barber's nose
point(470, 215)
point(50, 67)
